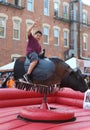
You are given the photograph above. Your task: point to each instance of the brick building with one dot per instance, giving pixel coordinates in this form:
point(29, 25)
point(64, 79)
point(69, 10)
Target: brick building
point(64, 23)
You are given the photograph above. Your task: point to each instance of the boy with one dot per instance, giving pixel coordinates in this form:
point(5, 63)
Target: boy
point(33, 49)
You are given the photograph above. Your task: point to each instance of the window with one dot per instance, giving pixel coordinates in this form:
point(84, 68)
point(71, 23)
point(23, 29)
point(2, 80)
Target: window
point(2, 27)
point(85, 17)
point(17, 2)
point(66, 37)
point(85, 41)
point(66, 10)
point(46, 7)
point(46, 34)
point(28, 24)
point(3, 0)
point(72, 11)
point(56, 9)
point(30, 5)
point(56, 36)
point(16, 29)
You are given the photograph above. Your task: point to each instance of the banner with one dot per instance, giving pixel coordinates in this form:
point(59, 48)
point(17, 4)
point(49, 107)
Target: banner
point(87, 67)
point(84, 66)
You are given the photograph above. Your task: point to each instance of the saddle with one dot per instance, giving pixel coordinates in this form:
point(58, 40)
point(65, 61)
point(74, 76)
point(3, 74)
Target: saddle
point(44, 69)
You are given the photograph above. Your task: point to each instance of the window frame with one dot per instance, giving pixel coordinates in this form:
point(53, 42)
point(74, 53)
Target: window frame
point(17, 19)
point(66, 14)
point(67, 39)
point(28, 22)
point(18, 2)
point(47, 34)
point(32, 5)
point(2, 15)
point(85, 17)
point(57, 29)
point(85, 42)
point(3, 27)
point(46, 13)
point(3, 0)
point(56, 11)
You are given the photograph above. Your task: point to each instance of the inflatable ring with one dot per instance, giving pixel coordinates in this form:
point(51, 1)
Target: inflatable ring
point(37, 114)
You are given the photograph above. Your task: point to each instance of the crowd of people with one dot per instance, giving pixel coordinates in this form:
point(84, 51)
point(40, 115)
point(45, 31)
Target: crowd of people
point(7, 81)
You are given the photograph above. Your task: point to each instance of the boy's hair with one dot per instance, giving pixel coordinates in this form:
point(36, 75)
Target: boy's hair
point(38, 32)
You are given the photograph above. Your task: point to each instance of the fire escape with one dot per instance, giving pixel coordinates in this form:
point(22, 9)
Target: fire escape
point(76, 23)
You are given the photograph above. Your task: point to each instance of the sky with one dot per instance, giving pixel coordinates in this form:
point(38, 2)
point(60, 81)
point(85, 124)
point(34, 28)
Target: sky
point(86, 2)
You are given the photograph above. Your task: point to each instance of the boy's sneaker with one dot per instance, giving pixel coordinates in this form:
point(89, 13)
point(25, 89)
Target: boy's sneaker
point(27, 78)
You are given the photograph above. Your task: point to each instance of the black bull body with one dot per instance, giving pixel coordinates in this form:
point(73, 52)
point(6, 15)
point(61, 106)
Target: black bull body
point(51, 71)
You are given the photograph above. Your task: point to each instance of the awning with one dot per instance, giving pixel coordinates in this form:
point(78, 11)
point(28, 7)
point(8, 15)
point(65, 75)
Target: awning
point(7, 67)
point(72, 62)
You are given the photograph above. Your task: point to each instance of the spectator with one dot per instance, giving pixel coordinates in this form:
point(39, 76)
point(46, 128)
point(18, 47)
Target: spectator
point(11, 83)
point(3, 80)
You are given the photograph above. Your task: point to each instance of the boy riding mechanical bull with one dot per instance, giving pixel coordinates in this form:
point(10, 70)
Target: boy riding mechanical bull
point(33, 49)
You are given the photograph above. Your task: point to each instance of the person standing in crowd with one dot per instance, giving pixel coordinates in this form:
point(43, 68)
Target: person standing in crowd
point(3, 80)
point(11, 82)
